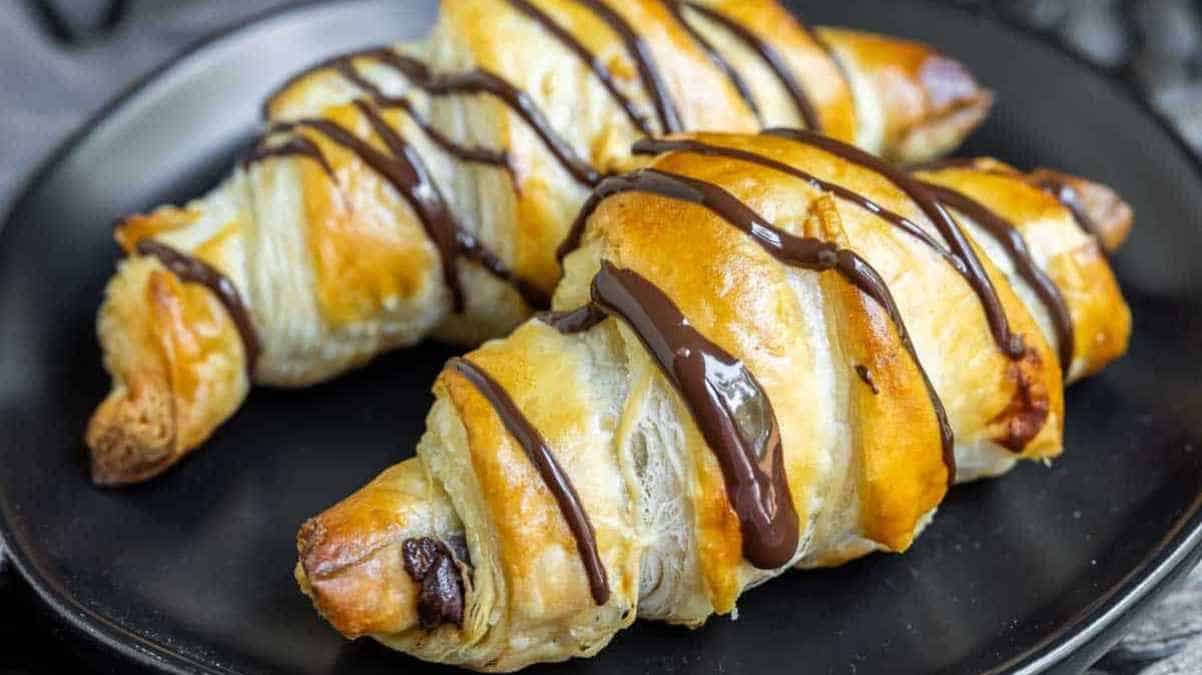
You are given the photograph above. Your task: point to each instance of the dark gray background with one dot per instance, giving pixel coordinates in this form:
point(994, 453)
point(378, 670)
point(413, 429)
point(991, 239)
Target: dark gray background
point(60, 60)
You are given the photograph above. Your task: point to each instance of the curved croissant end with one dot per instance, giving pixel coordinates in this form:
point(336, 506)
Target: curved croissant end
point(351, 556)
point(178, 371)
point(919, 103)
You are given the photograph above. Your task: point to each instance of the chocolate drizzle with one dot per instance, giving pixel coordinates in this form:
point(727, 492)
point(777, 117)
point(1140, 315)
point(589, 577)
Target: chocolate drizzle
point(405, 171)
point(483, 82)
point(557, 482)
point(1067, 195)
point(1010, 343)
point(728, 405)
point(653, 82)
point(298, 146)
point(573, 320)
point(1011, 240)
point(435, 213)
point(470, 82)
point(466, 153)
point(650, 146)
point(194, 270)
point(770, 56)
point(432, 566)
point(716, 58)
point(568, 40)
point(471, 248)
point(345, 67)
point(803, 252)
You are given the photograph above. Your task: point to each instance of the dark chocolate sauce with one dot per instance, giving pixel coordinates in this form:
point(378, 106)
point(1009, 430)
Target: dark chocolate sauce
point(345, 67)
point(653, 82)
point(716, 58)
point(830, 53)
point(651, 146)
point(568, 40)
point(403, 168)
point(784, 73)
point(432, 566)
point(194, 270)
point(804, 252)
point(468, 244)
point(1010, 343)
point(483, 82)
point(573, 320)
point(728, 405)
point(1011, 240)
point(1067, 195)
point(466, 153)
point(471, 248)
point(554, 478)
point(298, 146)
point(866, 378)
point(470, 82)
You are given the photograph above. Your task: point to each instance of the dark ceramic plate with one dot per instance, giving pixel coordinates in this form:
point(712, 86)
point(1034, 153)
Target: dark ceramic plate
point(192, 573)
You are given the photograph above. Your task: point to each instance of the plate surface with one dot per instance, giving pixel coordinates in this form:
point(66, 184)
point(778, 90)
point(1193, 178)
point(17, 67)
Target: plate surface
point(193, 571)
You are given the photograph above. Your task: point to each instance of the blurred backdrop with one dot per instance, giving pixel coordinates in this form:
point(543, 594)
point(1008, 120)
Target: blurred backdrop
point(60, 60)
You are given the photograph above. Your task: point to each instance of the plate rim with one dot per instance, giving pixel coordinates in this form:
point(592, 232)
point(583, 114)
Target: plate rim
point(1094, 630)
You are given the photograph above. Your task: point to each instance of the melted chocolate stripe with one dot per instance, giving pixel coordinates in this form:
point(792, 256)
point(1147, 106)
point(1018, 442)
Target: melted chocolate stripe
point(653, 82)
point(716, 58)
point(346, 68)
point(435, 213)
point(405, 171)
point(191, 269)
point(1067, 195)
point(557, 482)
point(830, 53)
point(471, 247)
point(483, 82)
point(1010, 343)
point(463, 242)
point(770, 56)
point(466, 153)
point(1011, 240)
point(857, 270)
point(297, 146)
point(804, 252)
point(573, 320)
point(568, 40)
point(651, 146)
point(728, 405)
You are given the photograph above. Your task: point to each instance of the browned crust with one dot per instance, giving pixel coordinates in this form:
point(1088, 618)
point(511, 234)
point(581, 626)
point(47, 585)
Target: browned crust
point(929, 102)
point(132, 434)
point(1110, 216)
point(1025, 415)
point(177, 366)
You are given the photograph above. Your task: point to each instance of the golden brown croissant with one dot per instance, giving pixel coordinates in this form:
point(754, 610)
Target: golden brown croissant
point(768, 351)
point(425, 189)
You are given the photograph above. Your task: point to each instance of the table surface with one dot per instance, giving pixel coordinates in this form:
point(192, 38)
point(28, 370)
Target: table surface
point(67, 57)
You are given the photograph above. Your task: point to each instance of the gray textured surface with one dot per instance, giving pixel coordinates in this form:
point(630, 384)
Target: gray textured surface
point(62, 59)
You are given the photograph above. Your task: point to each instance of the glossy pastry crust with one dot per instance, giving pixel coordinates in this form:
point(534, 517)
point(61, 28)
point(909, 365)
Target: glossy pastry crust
point(862, 449)
point(425, 189)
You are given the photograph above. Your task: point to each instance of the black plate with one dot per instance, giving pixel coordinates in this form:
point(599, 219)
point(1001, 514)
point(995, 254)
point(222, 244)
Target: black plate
point(192, 573)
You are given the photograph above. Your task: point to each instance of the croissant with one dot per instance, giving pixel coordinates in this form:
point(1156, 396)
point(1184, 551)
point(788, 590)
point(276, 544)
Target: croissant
point(751, 367)
point(425, 189)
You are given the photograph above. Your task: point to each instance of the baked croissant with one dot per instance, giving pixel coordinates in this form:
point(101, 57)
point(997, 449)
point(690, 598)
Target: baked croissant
point(769, 351)
point(426, 189)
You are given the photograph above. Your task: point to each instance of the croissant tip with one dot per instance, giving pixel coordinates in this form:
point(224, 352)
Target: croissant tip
point(130, 439)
